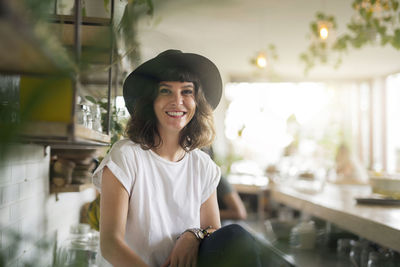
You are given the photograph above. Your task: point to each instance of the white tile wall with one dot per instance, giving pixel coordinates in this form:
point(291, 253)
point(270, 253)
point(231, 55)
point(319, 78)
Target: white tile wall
point(27, 208)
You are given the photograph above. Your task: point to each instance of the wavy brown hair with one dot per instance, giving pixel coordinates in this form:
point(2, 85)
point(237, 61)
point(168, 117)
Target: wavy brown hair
point(142, 126)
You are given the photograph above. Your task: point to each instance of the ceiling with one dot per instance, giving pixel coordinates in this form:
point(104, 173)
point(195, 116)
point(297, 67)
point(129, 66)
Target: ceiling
point(231, 32)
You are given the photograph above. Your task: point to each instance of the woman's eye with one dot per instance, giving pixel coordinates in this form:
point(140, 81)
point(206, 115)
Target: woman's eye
point(187, 92)
point(163, 91)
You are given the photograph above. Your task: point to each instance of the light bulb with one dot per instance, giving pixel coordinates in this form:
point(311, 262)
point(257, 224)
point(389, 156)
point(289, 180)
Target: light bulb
point(261, 60)
point(323, 32)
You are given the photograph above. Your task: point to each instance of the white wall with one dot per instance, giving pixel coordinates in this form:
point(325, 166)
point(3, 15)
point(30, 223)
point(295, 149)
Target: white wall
point(27, 207)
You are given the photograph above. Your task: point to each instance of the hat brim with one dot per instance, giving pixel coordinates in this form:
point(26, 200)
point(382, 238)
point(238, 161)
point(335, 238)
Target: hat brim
point(150, 71)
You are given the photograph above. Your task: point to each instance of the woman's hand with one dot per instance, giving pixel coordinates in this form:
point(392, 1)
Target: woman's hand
point(184, 253)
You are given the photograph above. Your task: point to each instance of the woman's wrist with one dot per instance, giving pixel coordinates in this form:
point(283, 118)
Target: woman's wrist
point(198, 233)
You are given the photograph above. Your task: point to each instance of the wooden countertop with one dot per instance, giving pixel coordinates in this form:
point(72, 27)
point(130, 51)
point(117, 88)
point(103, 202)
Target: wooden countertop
point(337, 204)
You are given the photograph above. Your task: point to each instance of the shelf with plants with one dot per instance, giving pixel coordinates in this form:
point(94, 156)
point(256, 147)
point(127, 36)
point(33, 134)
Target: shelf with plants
point(59, 59)
point(50, 56)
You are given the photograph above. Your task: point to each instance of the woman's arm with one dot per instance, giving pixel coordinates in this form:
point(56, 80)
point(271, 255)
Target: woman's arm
point(185, 250)
point(209, 214)
point(114, 204)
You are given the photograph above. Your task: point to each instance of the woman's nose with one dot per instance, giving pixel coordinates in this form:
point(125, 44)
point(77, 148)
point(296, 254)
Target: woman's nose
point(177, 98)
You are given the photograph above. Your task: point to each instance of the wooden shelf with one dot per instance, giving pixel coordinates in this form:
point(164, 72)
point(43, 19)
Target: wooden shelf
point(22, 51)
point(336, 204)
point(70, 19)
point(91, 35)
point(70, 188)
point(83, 133)
point(58, 135)
point(43, 54)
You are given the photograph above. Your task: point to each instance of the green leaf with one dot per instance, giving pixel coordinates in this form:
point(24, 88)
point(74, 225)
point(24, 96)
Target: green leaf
point(341, 43)
point(91, 99)
point(106, 4)
point(314, 28)
point(387, 18)
point(363, 12)
point(320, 16)
point(382, 30)
point(395, 5)
point(396, 39)
point(385, 40)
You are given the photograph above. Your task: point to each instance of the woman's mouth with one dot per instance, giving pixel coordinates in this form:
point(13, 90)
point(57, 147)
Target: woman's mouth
point(175, 113)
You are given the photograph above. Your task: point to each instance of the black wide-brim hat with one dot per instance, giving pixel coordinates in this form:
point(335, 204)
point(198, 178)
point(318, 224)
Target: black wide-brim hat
point(151, 70)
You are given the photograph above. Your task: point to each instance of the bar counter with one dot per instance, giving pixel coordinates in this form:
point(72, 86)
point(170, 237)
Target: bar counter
point(337, 204)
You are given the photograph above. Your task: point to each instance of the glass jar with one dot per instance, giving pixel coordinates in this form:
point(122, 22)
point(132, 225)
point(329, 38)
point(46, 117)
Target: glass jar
point(355, 253)
point(375, 259)
point(80, 248)
point(343, 247)
point(366, 249)
point(89, 116)
point(303, 235)
point(96, 115)
point(81, 114)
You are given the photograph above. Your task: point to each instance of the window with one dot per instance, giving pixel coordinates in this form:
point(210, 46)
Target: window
point(264, 121)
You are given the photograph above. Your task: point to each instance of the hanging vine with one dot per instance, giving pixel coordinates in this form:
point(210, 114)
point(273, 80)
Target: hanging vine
point(375, 22)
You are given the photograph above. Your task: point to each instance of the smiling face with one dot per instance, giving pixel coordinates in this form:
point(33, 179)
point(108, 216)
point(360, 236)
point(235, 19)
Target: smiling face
point(174, 106)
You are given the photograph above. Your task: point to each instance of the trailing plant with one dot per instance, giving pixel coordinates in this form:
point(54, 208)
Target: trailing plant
point(318, 50)
point(270, 53)
point(375, 22)
point(127, 28)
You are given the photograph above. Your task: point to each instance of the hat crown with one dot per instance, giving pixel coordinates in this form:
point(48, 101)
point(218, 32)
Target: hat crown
point(169, 52)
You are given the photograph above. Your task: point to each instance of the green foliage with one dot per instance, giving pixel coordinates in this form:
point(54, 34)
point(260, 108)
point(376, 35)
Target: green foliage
point(41, 250)
point(126, 30)
point(366, 27)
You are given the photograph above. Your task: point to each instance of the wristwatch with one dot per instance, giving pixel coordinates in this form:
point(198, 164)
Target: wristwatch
point(199, 233)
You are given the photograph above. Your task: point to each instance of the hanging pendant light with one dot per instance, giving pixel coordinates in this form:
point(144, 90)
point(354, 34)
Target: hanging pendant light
point(261, 60)
point(323, 32)
point(324, 29)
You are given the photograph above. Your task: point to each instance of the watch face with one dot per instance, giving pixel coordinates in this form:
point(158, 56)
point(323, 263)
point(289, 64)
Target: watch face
point(201, 234)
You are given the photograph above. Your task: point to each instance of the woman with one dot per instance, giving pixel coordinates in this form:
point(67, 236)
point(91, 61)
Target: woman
point(158, 198)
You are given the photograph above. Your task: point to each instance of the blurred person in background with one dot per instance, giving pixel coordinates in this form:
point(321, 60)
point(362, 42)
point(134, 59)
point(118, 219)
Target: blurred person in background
point(230, 204)
point(349, 169)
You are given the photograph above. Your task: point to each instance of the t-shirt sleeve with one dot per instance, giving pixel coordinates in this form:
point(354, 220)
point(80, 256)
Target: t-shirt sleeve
point(120, 162)
point(213, 174)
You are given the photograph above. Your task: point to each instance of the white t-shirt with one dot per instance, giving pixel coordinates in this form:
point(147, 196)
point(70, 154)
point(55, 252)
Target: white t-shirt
point(164, 196)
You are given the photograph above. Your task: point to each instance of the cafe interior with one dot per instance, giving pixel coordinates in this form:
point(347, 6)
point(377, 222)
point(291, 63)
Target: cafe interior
point(307, 129)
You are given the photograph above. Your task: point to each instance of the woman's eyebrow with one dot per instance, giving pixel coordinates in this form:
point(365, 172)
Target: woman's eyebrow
point(164, 84)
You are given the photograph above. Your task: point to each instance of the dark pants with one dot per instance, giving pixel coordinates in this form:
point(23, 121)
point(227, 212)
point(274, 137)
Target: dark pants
point(229, 246)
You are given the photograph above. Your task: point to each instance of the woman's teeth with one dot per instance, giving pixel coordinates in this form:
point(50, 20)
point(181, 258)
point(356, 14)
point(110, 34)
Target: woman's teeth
point(174, 113)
